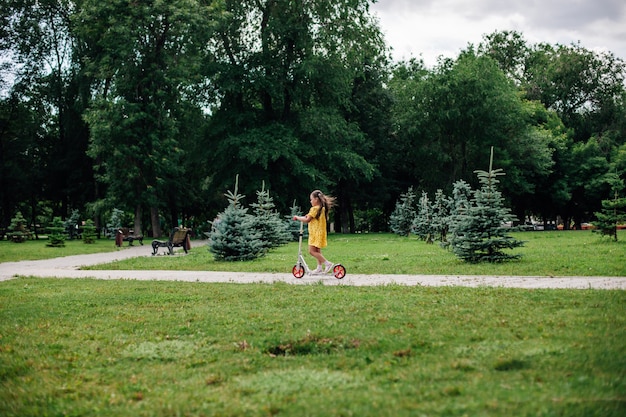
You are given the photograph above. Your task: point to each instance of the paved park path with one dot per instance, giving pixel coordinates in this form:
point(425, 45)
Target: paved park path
point(69, 267)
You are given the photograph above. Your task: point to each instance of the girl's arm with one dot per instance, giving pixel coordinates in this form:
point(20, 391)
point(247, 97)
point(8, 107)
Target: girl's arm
point(305, 219)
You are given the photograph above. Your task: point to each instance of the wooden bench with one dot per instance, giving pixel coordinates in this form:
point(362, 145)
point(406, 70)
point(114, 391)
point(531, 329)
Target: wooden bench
point(124, 234)
point(179, 237)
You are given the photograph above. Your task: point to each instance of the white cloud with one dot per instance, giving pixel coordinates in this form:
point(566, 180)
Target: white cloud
point(430, 28)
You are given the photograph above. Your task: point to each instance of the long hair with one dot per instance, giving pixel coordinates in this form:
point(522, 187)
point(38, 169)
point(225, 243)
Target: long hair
point(327, 202)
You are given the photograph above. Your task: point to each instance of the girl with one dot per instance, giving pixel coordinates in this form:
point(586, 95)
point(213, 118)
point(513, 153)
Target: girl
point(316, 219)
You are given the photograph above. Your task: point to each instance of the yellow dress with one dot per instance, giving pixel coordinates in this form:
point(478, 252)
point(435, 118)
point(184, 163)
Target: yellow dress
point(317, 228)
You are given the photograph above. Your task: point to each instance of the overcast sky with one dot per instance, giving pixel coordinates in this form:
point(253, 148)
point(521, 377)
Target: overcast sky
point(430, 28)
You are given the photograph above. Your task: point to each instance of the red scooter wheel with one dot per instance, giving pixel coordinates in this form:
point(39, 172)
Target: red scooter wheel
point(339, 271)
point(298, 271)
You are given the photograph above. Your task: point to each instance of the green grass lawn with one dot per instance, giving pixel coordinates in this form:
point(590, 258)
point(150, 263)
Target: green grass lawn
point(558, 253)
point(37, 249)
point(133, 348)
point(118, 348)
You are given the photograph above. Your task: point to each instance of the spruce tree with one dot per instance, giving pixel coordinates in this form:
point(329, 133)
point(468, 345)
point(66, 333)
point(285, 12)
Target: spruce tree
point(613, 211)
point(56, 233)
point(459, 205)
point(479, 234)
point(115, 222)
point(440, 214)
point(71, 224)
point(402, 217)
point(294, 225)
point(422, 223)
point(273, 230)
point(18, 232)
point(89, 231)
point(235, 238)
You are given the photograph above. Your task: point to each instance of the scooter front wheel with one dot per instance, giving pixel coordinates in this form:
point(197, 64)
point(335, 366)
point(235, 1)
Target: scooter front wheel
point(339, 271)
point(298, 271)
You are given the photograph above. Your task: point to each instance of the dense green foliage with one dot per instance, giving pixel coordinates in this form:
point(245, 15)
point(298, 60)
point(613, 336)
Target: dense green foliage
point(478, 232)
point(404, 214)
point(18, 232)
point(235, 235)
point(89, 232)
point(113, 348)
point(153, 107)
point(56, 233)
point(613, 211)
point(268, 222)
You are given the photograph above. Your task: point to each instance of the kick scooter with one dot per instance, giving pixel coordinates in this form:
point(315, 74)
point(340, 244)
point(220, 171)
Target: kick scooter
point(300, 268)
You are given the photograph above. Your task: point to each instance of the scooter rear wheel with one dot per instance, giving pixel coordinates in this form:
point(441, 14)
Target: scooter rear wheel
point(339, 271)
point(298, 271)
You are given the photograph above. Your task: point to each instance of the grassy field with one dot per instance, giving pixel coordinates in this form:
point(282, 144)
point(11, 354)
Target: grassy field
point(120, 348)
point(569, 253)
point(37, 249)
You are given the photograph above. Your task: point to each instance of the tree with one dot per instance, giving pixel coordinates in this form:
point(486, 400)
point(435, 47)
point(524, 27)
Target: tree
point(422, 224)
point(478, 232)
point(89, 231)
point(56, 232)
point(460, 204)
point(447, 117)
point(510, 51)
point(579, 84)
point(21, 137)
point(294, 226)
point(401, 220)
point(48, 77)
point(18, 231)
point(441, 208)
point(286, 75)
point(116, 221)
point(585, 90)
point(70, 225)
point(541, 188)
point(235, 237)
point(613, 211)
point(146, 57)
point(267, 222)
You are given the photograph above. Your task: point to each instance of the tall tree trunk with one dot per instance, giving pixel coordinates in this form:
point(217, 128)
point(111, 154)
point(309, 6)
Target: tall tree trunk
point(156, 225)
point(137, 224)
point(344, 208)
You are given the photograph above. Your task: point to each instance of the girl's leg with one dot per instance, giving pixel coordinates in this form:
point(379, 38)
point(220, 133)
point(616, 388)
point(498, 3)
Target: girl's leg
point(322, 264)
point(317, 254)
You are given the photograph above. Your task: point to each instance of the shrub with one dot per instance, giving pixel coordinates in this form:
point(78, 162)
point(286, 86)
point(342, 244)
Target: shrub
point(89, 231)
point(18, 232)
point(401, 220)
point(56, 233)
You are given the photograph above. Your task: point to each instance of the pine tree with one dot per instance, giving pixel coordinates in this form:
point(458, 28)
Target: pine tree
point(479, 234)
point(18, 232)
point(273, 230)
point(234, 238)
point(613, 211)
point(294, 225)
point(56, 233)
point(422, 223)
point(89, 231)
point(401, 219)
point(71, 224)
point(440, 214)
point(459, 206)
point(115, 222)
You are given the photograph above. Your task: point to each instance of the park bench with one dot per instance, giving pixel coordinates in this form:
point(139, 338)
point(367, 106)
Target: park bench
point(124, 234)
point(179, 237)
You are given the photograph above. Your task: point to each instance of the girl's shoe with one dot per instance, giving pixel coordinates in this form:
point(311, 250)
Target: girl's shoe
point(318, 270)
point(327, 266)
